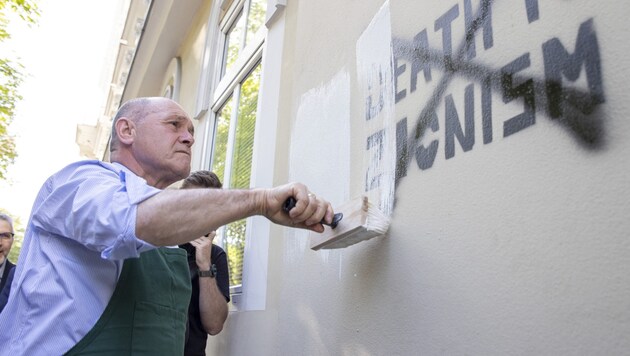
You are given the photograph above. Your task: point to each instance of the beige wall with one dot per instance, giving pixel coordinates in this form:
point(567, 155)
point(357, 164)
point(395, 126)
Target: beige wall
point(514, 245)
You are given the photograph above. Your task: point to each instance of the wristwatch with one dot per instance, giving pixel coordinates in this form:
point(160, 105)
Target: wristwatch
point(211, 273)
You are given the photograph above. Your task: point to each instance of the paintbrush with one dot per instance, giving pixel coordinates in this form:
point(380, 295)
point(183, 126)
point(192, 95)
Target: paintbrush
point(362, 221)
point(290, 204)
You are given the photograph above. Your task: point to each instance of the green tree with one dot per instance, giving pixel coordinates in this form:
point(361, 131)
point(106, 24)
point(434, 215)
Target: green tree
point(11, 76)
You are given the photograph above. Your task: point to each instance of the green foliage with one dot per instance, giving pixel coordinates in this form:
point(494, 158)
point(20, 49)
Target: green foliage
point(10, 78)
point(27, 10)
point(221, 140)
point(241, 167)
point(235, 247)
point(256, 18)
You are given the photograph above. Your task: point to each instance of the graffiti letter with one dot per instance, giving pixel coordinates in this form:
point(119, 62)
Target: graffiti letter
point(511, 92)
point(485, 15)
point(398, 70)
point(452, 126)
point(486, 109)
point(425, 156)
point(419, 61)
point(372, 176)
point(372, 110)
point(558, 62)
point(401, 149)
point(532, 10)
point(444, 23)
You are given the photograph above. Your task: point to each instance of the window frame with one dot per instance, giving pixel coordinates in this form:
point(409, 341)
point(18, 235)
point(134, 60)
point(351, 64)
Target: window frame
point(214, 90)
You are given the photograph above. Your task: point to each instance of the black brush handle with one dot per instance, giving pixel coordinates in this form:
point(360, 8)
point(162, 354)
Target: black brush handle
point(290, 204)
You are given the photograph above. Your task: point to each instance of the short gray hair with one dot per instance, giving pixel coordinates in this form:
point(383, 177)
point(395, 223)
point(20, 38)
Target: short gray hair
point(7, 218)
point(134, 109)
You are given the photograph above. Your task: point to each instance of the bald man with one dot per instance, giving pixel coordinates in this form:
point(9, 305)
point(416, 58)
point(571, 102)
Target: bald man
point(97, 270)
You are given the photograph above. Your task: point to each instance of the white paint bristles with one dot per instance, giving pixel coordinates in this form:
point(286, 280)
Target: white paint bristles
point(361, 221)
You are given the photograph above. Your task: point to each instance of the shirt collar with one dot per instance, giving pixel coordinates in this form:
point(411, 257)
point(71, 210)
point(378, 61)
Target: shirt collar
point(2, 267)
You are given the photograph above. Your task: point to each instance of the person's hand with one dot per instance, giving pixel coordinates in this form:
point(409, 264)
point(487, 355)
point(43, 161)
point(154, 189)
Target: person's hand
point(309, 209)
point(203, 248)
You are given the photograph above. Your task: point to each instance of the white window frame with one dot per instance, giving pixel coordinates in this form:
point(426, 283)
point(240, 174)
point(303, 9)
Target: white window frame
point(212, 94)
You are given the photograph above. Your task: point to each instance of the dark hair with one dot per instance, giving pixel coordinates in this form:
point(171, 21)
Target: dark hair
point(202, 179)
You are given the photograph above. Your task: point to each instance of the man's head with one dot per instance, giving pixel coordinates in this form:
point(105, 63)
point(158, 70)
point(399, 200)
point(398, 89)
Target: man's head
point(153, 138)
point(202, 179)
point(6, 236)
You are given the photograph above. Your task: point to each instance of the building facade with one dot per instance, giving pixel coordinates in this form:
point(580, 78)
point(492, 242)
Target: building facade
point(493, 134)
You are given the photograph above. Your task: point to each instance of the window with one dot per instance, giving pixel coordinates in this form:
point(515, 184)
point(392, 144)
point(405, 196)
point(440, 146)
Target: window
point(238, 101)
point(234, 108)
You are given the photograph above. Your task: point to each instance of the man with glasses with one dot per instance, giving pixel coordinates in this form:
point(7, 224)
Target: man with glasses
point(6, 241)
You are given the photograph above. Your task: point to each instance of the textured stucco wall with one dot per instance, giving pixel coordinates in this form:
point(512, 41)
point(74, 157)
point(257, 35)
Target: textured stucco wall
point(510, 209)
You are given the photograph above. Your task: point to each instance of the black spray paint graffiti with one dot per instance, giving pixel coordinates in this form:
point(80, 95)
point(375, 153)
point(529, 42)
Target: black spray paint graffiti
point(572, 108)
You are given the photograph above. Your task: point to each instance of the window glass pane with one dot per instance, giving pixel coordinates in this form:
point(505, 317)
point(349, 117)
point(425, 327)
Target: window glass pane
point(234, 241)
point(222, 130)
point(255, 18)
point(234, 42)
point(245, 125)
point(241, 170)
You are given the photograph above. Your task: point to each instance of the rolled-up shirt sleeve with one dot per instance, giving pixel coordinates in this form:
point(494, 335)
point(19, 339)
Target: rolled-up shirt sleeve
point(95, 204)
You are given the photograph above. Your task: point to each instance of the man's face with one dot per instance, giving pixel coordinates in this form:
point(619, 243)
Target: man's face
point(6, 239)
point(163, 144)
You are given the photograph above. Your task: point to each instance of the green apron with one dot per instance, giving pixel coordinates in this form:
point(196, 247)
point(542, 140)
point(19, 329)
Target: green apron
point(148, 310)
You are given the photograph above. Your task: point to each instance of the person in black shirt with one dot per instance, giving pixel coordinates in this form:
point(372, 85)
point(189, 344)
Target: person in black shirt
point(209, 275)
point(6, 290)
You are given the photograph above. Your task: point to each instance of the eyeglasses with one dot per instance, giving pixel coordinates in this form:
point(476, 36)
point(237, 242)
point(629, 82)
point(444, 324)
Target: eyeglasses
point(6, 235)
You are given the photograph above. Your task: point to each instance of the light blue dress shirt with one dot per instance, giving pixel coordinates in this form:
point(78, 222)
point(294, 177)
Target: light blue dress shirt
point(81, 229)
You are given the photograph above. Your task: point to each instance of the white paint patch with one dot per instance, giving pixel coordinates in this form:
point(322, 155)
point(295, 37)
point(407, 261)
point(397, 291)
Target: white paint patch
point(320, 142)
point(375, 76)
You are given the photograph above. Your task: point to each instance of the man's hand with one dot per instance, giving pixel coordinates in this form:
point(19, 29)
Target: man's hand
point(309, 209)
point(203, 247)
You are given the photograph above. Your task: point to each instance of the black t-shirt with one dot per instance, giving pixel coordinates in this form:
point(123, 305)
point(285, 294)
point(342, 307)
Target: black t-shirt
point(196, 336)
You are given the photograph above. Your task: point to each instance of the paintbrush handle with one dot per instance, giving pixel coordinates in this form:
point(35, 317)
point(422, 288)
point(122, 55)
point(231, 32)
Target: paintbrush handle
point(290, 204)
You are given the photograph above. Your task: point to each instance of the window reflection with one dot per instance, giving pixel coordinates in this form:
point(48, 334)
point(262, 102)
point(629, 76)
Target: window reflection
point(255, 18)
point(234, 42)
point(241, 170)
point(221, 134)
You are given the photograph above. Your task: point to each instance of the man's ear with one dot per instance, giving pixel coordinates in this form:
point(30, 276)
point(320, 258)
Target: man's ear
point(126, 130)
